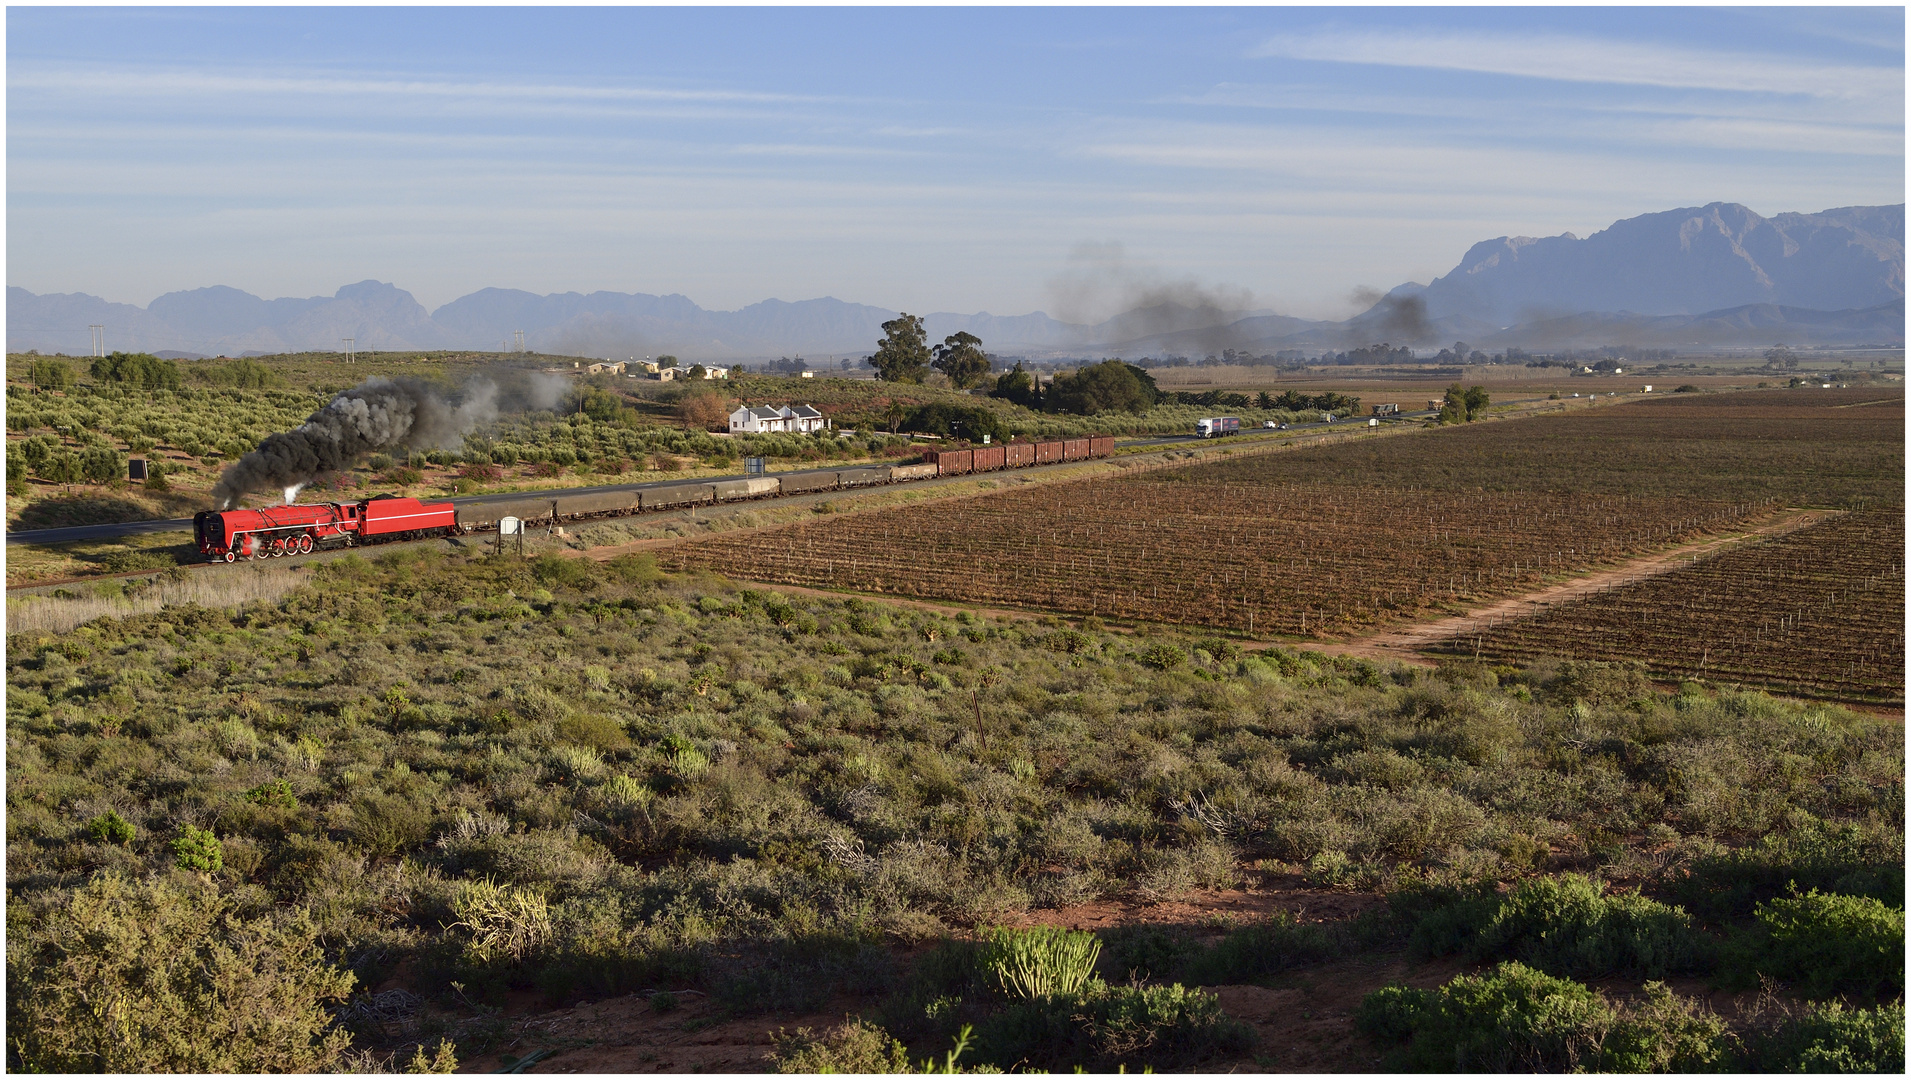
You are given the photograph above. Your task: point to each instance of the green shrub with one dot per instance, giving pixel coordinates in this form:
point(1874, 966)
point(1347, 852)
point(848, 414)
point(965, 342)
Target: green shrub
point(158, 976)
point(1163, 657)
point(1666, 1033)
point(198, 850)
point(110, 828)
point(1570, 925)
point(272, 793)
point(1041, 961)
point(1831, 1038)
point(1828, 943)
point(1836, 858)
point(852, 1047)
point(1513, 1019)
point(1104, 1028)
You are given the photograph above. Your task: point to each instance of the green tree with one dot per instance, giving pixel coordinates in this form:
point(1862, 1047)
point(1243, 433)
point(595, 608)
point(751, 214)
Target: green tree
point(1463, 406)
point(60, 468)
point(1110, 386)
point(102, 465)
point(1019, 387)
point(142, 370)
point(1779, 357)
point(961, 358)
point(903, 352)
point(51, 374)
point(16, 474)
point(164, 976)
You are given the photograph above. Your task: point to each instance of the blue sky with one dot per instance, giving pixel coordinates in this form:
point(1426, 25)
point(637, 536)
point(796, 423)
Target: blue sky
point(924, 159)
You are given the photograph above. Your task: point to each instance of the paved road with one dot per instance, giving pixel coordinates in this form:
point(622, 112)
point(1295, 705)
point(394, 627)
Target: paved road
point(136, 528)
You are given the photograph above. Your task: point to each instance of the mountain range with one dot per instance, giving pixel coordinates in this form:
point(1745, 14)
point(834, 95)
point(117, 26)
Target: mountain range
point(1712, 275)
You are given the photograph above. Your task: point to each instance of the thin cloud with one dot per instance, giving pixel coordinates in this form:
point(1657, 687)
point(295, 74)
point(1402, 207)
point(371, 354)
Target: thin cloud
point(1588, 60)
point(117, 83)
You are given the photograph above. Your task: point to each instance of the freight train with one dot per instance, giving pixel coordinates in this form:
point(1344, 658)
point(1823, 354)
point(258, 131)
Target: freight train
point(299, 529)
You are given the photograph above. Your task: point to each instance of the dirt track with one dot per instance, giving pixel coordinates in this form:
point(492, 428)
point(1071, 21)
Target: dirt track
point(1404, 643)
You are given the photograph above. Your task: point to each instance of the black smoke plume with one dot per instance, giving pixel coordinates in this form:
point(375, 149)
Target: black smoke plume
point(377, 415)
point(1138, 302)
point(1395, 318)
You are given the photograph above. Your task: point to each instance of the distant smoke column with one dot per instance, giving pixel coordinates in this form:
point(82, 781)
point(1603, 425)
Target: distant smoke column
point(378, 414)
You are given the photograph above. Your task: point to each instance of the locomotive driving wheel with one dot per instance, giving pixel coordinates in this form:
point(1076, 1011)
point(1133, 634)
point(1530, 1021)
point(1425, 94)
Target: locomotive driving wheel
point(305, 544)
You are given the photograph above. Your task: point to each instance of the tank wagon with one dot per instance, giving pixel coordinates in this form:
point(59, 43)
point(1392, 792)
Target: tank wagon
point(299, 529)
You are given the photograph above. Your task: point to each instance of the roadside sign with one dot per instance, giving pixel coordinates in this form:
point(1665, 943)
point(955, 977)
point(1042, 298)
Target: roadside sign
point(510, 526)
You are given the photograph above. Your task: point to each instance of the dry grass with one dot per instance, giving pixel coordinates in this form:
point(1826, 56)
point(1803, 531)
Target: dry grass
point(233, 588)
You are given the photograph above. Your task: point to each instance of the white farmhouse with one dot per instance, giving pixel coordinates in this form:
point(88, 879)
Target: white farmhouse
point(764, 419)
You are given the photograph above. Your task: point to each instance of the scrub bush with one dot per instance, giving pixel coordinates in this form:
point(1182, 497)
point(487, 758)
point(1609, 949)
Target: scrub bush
point(160, 976)
point(1830, 944)
point(1515, 1019)
point(1570, 925)
point(854, 1047)
point(1828, 1038)
point(1103, 1028)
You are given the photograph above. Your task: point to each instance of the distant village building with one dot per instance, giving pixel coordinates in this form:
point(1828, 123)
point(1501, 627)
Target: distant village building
point(608, 367)
point(683, 371)
point(765, 419)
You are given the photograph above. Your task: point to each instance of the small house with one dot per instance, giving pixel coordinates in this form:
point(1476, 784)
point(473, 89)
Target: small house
point(765, 419)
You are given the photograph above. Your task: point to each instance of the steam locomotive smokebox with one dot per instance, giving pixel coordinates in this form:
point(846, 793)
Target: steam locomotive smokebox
point(136, 469)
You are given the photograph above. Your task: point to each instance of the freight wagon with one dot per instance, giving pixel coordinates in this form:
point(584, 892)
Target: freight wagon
point(1016, 455)
point(277, 531)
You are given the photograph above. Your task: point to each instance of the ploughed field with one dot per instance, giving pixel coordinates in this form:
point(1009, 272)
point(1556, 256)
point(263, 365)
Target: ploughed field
point(1819, 611)
point(1296, 559)
point(1330, 540)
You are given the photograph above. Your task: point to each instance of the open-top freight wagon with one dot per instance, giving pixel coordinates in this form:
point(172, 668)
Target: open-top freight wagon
point(299, 529)
point(1015, 455)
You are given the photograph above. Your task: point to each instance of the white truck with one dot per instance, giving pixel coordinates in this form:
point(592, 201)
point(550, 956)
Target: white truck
point(1209, 427)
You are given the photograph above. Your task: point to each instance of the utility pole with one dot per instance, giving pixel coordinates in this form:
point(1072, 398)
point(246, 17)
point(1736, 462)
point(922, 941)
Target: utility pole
point(99, 338)
point(351, 349)
point(520, 337)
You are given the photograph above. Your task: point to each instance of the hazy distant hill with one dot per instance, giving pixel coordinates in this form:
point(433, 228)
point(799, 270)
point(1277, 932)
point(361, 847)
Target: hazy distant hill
point(1682, 262)
point(1718, 274)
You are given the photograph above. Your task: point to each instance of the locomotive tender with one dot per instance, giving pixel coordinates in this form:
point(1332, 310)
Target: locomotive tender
point(299, 529)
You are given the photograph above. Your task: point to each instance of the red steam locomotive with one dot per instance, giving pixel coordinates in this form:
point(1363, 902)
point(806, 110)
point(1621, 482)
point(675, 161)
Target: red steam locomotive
point(276, 531)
